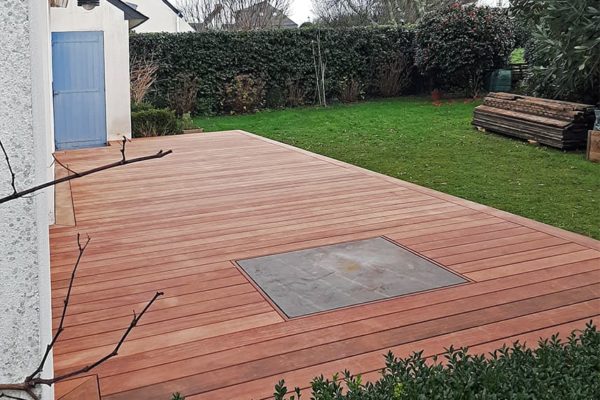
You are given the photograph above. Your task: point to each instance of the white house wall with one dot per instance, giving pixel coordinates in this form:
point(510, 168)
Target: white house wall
point(25, 130)
point(161, 17)
point(108, 19)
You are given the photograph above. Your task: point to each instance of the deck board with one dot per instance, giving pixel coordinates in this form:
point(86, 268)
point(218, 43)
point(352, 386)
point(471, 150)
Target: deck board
point(178, 223)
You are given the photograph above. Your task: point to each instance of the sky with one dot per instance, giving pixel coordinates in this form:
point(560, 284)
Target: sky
point(301, 11)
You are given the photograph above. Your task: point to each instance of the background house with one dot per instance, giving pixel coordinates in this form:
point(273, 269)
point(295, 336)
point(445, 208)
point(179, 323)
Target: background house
point(90, 70)
point(262, 15)
point(162, 15)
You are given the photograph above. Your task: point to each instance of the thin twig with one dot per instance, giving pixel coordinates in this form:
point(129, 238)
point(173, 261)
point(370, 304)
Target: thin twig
point(134, 322)
point(8, 396)
point(12, 174)
point(56, 160)
point(123, 161)
point(23, 387)
point(64, 311)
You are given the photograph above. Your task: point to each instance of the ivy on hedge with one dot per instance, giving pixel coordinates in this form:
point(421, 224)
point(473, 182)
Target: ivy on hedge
point(283, 59)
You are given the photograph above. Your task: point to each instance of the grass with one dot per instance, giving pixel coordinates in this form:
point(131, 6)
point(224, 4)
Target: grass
point(436, 147)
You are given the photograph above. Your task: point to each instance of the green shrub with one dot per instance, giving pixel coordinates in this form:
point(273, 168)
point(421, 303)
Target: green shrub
point(244, 94)
point(154, 122)
point(283, 59)
point(457, 45)
point(565, 52)
point(135, 107)
point(555, 370)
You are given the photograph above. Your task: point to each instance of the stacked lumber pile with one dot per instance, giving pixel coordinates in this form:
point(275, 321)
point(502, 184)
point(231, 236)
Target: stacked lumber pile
point(551, 122)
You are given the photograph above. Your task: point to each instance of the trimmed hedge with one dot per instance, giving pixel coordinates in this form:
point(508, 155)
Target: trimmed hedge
point(147, 122)
point(281, 59)
point(555, 370)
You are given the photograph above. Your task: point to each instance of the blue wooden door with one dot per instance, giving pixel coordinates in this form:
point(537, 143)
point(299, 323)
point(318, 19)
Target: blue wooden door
point(78, 89)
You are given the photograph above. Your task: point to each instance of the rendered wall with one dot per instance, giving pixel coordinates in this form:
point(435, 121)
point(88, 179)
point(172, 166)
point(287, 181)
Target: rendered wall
point(109, 19)
point(26, 131)
point(161, 18)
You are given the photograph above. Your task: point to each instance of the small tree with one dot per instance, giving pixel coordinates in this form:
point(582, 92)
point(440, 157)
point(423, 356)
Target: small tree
point(565, 51)
point(457, 45)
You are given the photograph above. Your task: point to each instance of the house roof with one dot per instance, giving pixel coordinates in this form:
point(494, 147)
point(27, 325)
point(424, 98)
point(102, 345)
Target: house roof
point(265, 6)
point(132, 15)
point(172, 7)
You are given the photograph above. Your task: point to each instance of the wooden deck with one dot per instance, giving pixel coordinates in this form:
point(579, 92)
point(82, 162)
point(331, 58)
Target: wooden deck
point(177, 223)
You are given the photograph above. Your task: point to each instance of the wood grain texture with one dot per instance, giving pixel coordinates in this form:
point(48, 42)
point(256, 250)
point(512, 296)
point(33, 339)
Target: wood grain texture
point(178, 223)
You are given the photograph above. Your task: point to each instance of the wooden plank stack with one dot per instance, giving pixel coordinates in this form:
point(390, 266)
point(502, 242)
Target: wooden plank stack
point(551, 122)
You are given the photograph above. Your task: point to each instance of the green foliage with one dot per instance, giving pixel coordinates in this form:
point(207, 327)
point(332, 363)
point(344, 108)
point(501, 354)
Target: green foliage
point(154, 122)
point(554, 370)
point(177, 396)
point(436, 146)
point(244, 94)
point(517, 56)
point(565, 52)
point(457, 45)
point(186, 121)
point(283, 60)
point(135, 107)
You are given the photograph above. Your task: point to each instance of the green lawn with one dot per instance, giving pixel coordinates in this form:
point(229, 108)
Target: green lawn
point(436, 147)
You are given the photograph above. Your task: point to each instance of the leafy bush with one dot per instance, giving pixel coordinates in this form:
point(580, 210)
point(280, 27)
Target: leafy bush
point(154, 122)
point(282, 58)
point(554, 370)
point(135, 107)
point(565, 52)
point(457, 45)
point(244, 94)
point(350, 91)
point(395, 76)
point(183, 93)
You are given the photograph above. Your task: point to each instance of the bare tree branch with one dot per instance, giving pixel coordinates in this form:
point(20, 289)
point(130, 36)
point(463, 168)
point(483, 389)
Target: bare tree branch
point(375, 12)
point(134, 322)
point(142, 78)
point(8, 396)
point(235, 14)
point(64, 311)
point(12, 173)
point(56, 160)
point(33, 380)
point(123, 161)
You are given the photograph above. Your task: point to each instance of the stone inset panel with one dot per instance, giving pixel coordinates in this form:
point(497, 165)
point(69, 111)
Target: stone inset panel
point(329, 277)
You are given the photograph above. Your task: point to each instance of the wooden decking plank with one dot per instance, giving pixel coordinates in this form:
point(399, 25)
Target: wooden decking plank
point(516, 257)
point(364, 323)
point(591, 256)
point(190, 350)
point(278, 239)
point(263, 388)
point(351, 347)
point(241, 227)
point(305, 340)
point(231, 195)
point(500, 250)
